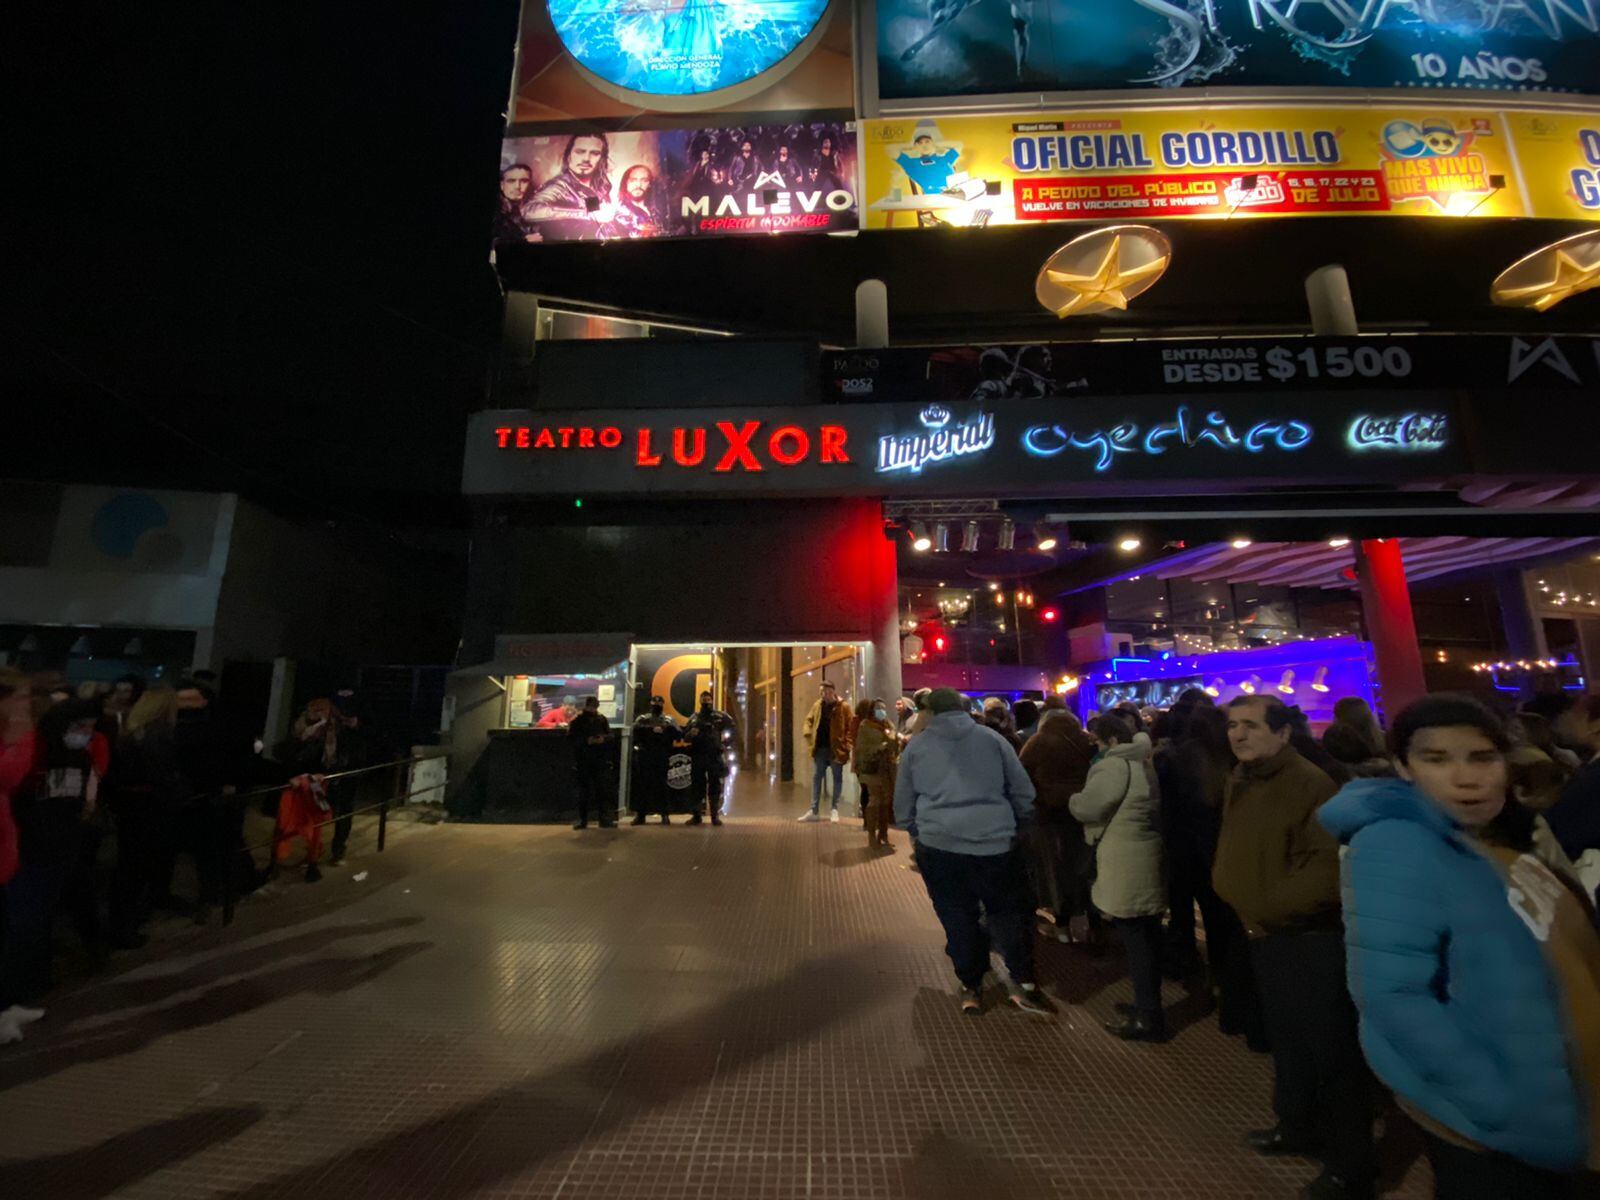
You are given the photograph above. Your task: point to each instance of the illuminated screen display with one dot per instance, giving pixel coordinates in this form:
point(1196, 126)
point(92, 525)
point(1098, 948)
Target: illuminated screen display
point(977, 47)
point(682, 47)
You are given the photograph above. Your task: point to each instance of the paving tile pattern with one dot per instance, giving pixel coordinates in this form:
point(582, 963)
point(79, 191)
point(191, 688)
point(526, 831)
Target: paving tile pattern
point(761, 1010)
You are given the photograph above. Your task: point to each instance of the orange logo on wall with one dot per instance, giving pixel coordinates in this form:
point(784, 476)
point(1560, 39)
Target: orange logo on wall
point(1434, 160)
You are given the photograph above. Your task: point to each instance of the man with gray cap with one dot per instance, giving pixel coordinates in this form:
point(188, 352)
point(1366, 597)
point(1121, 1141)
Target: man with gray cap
point(962, 795)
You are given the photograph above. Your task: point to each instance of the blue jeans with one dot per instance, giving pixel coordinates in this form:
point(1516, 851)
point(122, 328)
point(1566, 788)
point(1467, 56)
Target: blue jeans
point(821, 762)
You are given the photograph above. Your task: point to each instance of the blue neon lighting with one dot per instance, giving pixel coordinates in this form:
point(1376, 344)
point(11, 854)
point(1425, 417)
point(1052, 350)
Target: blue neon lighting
point(1183, 432)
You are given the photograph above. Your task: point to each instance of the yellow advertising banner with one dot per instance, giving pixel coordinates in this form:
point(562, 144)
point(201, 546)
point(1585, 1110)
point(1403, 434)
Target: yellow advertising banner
point(1559, 158)
point(1219, 164)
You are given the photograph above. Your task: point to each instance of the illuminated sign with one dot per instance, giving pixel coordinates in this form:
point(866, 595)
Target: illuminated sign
point(1112, 165)
point(1183, 432)
point(937, 441)
point(1412, 431)
point(686, 48)
point(725, 446)
point(955, 48)
point(592, 183)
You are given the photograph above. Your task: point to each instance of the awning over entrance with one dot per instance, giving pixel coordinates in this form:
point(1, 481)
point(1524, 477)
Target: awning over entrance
point(566, 654)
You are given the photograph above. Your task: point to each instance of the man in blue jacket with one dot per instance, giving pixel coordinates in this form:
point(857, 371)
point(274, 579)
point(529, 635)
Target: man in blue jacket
point(962, 795)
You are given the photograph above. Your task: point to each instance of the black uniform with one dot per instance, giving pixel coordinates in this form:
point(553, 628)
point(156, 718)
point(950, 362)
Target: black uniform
point(591, 743)
point(653, 735)
point(706, 733)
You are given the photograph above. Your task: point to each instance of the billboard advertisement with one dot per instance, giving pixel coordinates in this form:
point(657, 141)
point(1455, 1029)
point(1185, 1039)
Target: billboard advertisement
point(1560, 158)
point(1229, 163)
point(682, 48)
point(594, 184)
point(987, 47)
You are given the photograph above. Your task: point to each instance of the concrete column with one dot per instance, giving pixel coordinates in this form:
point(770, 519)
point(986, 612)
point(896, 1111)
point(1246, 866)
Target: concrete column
point(872, 314)
point(1333, 309)
point(1386, 607)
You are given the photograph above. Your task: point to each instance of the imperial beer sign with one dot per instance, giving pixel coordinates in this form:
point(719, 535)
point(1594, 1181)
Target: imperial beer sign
point(937, 441)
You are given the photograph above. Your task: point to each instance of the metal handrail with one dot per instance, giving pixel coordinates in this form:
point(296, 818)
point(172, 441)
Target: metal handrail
point(382, 808)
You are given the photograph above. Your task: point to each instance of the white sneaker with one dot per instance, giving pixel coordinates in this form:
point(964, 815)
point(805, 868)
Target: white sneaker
point(22, 1016)
point(834, 816)
point(810, 816)
point(10, 1030)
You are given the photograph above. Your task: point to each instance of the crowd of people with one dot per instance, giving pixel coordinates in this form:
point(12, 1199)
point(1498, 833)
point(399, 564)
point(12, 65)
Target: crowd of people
point(1410, 912)
point(106, 790)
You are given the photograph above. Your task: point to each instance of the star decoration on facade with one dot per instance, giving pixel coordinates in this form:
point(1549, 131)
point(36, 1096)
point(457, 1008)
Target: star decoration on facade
point(1103, 271)
point(1546, 277)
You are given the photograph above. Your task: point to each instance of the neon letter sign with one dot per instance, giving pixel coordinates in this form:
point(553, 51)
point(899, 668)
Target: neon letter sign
point(1183, 432)
point(938, 442)
point(1410, 432)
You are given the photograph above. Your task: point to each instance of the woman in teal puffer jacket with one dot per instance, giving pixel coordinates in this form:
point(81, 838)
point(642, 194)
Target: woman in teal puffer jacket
point(1475, 967)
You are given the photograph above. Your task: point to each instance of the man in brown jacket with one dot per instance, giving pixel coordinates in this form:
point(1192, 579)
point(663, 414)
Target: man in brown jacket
point(1279, 869)
point(827, 734)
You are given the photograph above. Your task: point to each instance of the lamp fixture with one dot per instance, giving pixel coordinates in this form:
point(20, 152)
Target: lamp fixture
point(1044, 539)
point(1214, 688)
point(941, 537)
point(1103, 270)
point(1319, 681)
point(1129, 544)
point(1241, 543)
point(1250, 686)
point(1551, 274)
point(1338, 543)
point(920, 541)
point(1286, 684)
point(1007, 539)
point(969, 537)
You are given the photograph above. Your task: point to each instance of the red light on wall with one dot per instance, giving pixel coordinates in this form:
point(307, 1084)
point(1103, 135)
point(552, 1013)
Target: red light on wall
point(938, 644)
point(1049, 614)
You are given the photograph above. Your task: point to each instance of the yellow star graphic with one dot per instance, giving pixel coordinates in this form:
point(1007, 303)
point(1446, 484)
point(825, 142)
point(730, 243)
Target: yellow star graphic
point(1570, 278)
point(1108, 284)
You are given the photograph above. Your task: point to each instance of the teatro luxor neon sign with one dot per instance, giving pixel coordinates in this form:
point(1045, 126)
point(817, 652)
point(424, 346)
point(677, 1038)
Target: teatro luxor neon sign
point(1185, 431)
point(724, 447)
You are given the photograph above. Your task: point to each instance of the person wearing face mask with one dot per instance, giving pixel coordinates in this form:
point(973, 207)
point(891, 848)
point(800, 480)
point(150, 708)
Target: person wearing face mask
point(709, 731)
point(590, 734)
point(653, 735)
point(1474, 961)
point(875, 757)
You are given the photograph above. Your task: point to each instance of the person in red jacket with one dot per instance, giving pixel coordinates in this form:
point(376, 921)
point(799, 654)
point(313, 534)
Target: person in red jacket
point(16, 765)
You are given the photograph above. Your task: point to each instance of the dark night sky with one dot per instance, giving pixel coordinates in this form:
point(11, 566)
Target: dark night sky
point(249, 248)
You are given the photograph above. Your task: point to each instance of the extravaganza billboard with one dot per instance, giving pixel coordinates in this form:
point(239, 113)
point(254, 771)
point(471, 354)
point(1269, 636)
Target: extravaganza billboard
point(983, 47)
point(591, 184)
point(1225, 163)
point(686, 48)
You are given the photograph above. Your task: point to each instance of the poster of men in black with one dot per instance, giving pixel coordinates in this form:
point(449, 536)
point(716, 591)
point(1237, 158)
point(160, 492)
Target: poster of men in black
point(593, 184)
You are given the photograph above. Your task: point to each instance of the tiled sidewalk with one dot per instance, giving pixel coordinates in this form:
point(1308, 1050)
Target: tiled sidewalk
point(762, 1010)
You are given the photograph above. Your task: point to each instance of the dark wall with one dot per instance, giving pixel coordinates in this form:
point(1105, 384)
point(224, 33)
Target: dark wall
point(717, 571)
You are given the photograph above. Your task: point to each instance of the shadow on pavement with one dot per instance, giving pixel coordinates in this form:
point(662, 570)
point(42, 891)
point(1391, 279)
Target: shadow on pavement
point(515, 1128)
point(127, 1158)
point(323, 977)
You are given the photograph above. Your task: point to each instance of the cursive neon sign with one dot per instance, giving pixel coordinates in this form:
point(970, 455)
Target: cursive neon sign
point(1407, 433)
point(937, 441)
point(1184, 432)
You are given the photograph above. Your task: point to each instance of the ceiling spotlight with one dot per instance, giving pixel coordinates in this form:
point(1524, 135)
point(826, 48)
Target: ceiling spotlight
point(1008, 534)
point(969, 537)
point(1129, 544)
point(1338, 543)
point(1214, 688)
point(1286, 684)
point(920, 540)
point(1241, 543)
point(993, 586)
point(1319, 682)
point(941, 537)
point(1044, 539)
point(1249, 686)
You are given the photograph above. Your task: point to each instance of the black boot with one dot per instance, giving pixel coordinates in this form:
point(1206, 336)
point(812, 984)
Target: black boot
point(1275, 1143)
point(695, 820)
point(638, 818)
point(1139, 1028)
